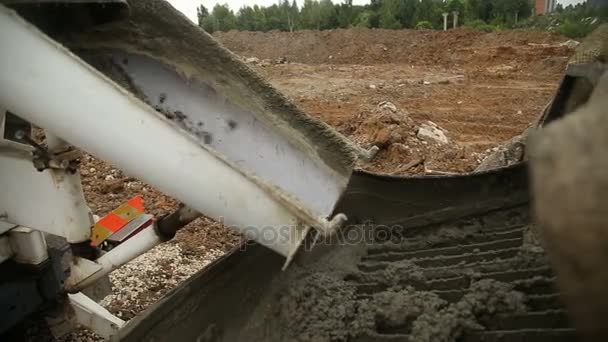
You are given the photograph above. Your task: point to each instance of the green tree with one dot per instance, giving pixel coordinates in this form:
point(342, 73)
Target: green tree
point(245, 19)
point(406, 13)
point(310, 15)
point(209, 24)
point(429, 10)
point(473, 10)
point(290, 15)
point(201, 13)
point(294, 15)
point(221, 19)
point(486, 9)
point(364, 19)
point(328, 15)
point(455, 5)
point(259, 19)
point(510, 11)
point(274, 18)
point(388, 14)
point(345, 14)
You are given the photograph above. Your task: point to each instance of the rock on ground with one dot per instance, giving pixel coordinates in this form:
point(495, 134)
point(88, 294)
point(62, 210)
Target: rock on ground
point(504, 155)
point(432, 134)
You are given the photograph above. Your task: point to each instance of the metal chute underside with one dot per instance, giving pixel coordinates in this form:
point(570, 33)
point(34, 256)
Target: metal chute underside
point(217, 123)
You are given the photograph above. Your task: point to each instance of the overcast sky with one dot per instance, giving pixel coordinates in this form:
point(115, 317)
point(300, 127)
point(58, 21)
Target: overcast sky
point(188, 7)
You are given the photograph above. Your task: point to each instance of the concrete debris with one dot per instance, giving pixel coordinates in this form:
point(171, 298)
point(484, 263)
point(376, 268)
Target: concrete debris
point(372, 86)
point(570, 44)
point(385, 105)
point(497, 69)
point(252, 60)
point(432, 124)
point(432, 134)
point(504, 155)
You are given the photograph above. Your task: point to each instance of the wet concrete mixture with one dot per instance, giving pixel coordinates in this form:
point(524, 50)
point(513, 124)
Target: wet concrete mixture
point(475, 278)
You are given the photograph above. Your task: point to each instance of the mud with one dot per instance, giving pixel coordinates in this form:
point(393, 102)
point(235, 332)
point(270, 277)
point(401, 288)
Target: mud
point(486, 297)
point(323, 307)
point(400, 296)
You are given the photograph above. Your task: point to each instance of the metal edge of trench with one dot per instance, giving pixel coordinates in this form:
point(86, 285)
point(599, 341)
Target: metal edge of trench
point(421, 200)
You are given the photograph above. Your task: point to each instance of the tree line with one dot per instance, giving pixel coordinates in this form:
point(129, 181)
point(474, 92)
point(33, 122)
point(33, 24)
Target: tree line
point(389, 14)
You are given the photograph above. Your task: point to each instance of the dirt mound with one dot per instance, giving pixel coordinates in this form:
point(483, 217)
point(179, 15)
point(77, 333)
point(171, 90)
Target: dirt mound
point(481, 88)
point(404, 146)
point(378, 46)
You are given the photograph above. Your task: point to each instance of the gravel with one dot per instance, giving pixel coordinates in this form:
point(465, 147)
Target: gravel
point(147, 278)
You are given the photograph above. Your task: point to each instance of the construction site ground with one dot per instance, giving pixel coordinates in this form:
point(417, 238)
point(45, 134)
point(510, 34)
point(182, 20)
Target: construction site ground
point(378, 87)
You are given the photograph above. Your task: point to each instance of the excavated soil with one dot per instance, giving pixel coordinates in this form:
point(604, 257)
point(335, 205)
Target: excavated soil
point(480, 88)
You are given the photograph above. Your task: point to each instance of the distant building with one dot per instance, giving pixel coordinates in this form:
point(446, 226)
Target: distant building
point(544, 6)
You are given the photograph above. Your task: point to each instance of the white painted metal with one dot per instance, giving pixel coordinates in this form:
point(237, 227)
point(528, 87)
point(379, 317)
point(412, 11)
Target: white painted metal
point(75, 102)
point(236, 133)
point(51, 200)
point(92, 315)
point(5, 226)
point(54, 143)
point(80, 270)
point(85, 272)
point(6, 252)
point(28, 245)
